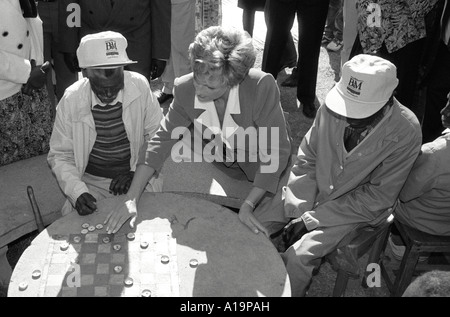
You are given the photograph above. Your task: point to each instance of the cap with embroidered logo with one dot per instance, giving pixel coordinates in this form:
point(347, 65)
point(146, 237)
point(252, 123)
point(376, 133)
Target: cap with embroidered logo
point(103, 50)
point(366, 85)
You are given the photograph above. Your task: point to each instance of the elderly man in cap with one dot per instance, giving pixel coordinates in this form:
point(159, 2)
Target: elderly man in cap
point(350, 167)
point(425, 198)
point(102, 124)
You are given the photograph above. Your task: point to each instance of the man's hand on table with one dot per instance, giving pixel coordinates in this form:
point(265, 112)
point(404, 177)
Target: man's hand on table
point(247, 217)
point(86, 204)
point(121, 213)
point(121, 183)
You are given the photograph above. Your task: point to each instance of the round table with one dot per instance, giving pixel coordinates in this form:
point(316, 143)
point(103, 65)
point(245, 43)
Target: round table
point(180, 246)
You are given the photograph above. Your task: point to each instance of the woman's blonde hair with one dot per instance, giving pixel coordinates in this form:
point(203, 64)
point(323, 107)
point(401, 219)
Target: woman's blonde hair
point(228, 52)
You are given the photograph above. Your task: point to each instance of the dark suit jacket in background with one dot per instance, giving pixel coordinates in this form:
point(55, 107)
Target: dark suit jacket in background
point(144, 23)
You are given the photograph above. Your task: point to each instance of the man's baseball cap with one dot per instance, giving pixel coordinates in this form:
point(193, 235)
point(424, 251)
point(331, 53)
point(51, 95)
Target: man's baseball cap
point(103, 50)
point(366, 85)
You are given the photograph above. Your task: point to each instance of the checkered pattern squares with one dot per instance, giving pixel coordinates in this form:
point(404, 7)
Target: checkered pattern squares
point(97, 260)
point(103, 268)
point(88, 258)
point(101, 291)
point(104, 248)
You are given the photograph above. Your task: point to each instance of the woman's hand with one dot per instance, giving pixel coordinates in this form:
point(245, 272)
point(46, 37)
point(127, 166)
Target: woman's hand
point(247, 217)
point(121, 213)
point(126, 207)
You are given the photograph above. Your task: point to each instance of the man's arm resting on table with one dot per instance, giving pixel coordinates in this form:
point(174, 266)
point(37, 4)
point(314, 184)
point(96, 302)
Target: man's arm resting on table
point(128, 206)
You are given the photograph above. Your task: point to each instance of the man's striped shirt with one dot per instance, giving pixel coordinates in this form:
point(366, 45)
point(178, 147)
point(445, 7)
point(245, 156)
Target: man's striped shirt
point(111, 154)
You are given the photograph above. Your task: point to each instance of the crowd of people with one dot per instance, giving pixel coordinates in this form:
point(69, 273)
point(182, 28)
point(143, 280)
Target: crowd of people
point(378, 144)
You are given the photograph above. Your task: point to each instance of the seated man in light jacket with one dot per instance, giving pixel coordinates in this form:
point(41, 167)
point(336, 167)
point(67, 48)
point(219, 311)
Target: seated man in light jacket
point(350, 166)
point(102, 124)
point(424, 202)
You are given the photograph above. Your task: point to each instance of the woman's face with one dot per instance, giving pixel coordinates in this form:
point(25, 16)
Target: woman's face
point(106, 83)
point(209, 87)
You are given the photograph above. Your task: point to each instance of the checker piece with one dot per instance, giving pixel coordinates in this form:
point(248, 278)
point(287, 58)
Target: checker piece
point(146, 293)
point(36, 274)
point(23, 286)
point(64, 246)
point(193, 263)
point(164, 259)
point(117, 247)
point(128, 281)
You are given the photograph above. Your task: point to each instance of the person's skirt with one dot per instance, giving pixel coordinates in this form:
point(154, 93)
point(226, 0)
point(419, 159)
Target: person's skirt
point(25, 126)
point(252, 5)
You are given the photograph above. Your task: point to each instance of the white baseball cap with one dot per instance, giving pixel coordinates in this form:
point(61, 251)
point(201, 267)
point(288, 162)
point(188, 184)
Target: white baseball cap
point(366, 85)
point(103, 50)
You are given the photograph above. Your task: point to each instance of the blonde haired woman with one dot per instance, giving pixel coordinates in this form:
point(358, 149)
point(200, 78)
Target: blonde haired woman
point(224, 93)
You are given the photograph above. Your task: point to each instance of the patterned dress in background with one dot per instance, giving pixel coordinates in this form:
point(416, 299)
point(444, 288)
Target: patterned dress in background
point(25, 126)
point(207, 13)
point(395, 23)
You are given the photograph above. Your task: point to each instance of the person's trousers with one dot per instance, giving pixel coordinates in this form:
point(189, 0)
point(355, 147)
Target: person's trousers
point(437, 89)
point(304, 256)
point(182, 35)
point(335, 21)
point(311, 17)
point(349, 32)
point(48, 12)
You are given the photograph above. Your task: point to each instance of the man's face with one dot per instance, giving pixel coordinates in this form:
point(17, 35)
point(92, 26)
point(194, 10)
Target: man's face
point(105, 83)
point(365, 122)
point(445, 114)
point(358, 123)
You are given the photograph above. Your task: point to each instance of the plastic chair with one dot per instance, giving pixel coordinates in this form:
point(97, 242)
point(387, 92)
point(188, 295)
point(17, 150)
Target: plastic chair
point(345, 258)
point(417, 243)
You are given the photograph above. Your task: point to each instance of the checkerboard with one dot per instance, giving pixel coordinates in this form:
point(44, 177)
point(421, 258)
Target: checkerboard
point(86, 267)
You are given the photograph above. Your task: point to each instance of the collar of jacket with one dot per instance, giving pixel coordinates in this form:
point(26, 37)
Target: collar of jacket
point(210, 119)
